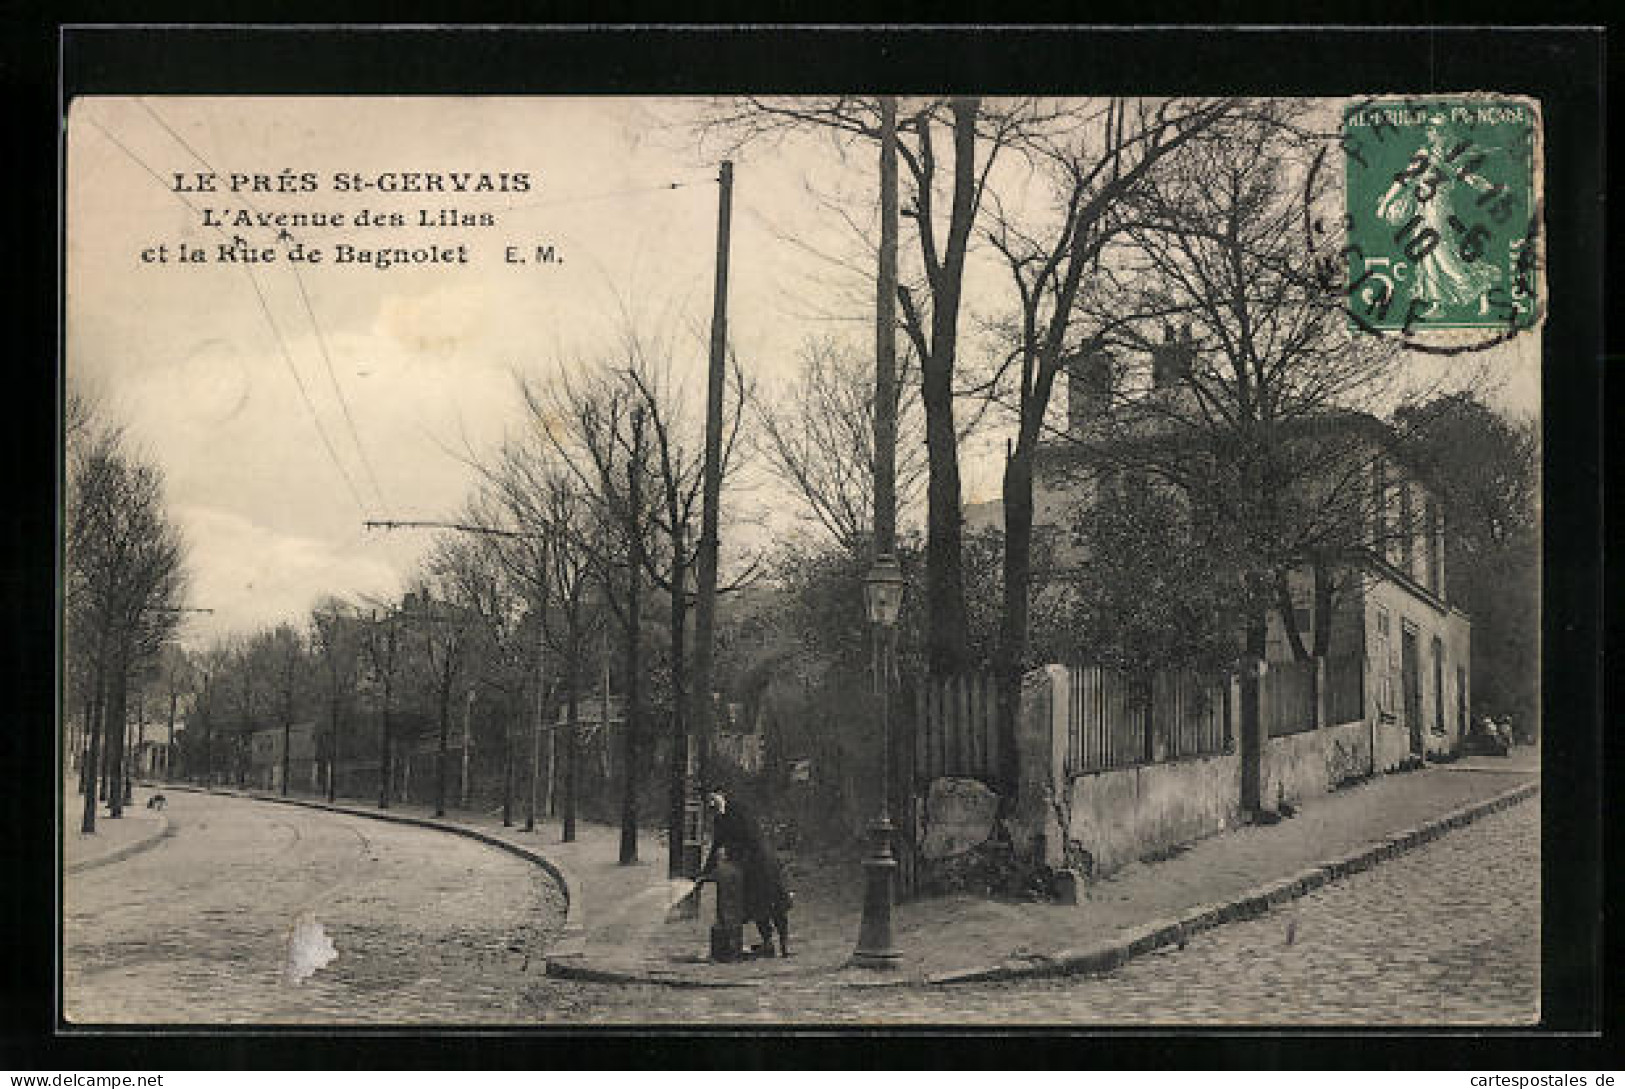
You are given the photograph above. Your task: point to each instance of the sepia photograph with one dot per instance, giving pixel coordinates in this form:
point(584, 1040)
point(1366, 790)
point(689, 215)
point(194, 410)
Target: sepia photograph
point(860, 560)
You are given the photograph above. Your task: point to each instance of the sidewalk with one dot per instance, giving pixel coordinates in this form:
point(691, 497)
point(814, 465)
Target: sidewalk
point(959, 938)
point(113, 840)
point(617, 929)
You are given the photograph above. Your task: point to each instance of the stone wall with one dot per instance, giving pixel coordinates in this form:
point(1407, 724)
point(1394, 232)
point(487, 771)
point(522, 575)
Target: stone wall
point(1302, 765)
point(1119, 816)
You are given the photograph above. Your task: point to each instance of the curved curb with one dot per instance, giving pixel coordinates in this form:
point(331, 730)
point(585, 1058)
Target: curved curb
point(1109, 955)
point(572, 934)
point(568, 960)
point(164, 831)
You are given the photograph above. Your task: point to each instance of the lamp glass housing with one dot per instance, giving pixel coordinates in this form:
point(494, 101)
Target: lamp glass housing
point(883, 592)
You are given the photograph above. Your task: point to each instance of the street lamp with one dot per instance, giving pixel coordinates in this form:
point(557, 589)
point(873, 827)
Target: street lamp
point(883, 599)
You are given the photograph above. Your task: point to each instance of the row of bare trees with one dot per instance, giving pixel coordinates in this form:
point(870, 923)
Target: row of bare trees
point(581, 527)
point(123, 585)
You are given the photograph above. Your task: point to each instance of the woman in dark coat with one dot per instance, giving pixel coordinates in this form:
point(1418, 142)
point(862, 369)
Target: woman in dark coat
point(767, 900)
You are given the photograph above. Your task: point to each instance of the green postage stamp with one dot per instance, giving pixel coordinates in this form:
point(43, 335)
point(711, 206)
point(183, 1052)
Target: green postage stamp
point(1443, 213)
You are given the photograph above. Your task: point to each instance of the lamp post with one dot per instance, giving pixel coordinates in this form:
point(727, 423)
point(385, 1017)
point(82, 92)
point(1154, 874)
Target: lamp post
point(883, 598)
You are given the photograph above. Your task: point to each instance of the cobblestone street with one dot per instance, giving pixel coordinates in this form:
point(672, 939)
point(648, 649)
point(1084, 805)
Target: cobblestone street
point(1447, 934)
point(429, 928)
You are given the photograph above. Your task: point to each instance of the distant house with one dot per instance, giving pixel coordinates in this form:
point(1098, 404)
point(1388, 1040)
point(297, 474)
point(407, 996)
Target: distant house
point(265, 758)
point(1119, 773)
point(1398, 653)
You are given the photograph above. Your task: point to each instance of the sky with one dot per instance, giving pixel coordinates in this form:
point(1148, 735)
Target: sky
point(289, 402)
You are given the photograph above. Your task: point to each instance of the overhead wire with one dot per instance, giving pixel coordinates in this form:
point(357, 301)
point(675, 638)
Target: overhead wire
point(310, 312)
point(265, 308)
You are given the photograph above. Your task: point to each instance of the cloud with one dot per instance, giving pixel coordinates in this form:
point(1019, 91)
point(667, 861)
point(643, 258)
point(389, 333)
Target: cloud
point(252, 575)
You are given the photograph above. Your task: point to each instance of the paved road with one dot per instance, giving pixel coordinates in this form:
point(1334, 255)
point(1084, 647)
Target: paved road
point(433, 929)
point(1447, 934)
point(428, 927)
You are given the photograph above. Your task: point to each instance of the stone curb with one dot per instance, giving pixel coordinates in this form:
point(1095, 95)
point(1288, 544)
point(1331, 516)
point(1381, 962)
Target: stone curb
point(572, 936)
point(122, 853)
point(1108, 955)
point(570, 961)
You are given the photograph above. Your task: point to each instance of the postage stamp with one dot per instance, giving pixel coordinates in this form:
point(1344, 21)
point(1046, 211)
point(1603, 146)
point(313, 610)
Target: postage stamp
point(1442, 213)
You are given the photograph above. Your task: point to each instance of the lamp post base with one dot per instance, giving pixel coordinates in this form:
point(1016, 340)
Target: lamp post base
point(875, 948)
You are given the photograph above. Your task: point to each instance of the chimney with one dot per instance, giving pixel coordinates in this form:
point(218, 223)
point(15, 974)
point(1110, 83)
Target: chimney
point(1171, 361)
point(1088, 389)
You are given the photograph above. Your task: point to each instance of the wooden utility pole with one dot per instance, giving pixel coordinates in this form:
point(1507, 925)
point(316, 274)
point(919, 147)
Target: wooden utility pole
point(536, 730)
point(386, 763)
point(886, 338)
point(631, 743)
point(706, 604)
point(468, 713)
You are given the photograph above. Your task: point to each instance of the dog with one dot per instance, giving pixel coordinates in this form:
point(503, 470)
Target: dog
point(157, 801)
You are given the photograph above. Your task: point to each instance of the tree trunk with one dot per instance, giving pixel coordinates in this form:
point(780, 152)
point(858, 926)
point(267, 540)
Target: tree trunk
point(947, 624)
point(947, 627)
point(1252, 739)
point(1012, 646)
point(572, 715)
point(677, 765)
point(443, 754)
point(1289, 616)
point(507, 772)
point(169, 748)
point(333, 751)
point(630, 747)
point(634, 666)
point(386, 765)
point(93, 756)
point(87, 774)
point(287, 752)
point(117, 710)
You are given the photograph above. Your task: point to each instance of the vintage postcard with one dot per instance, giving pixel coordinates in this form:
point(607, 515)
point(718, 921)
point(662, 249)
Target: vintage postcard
point(568, 560)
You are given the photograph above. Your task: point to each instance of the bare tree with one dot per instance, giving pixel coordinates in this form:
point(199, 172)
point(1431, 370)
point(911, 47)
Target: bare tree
point(446, 621)
point(383, 648)
point(678, 462)
point(599, 432)
point(496, 577)
point(1105, 154)
point(335, 643)
point(212, 666)
point(942, 201)
point(125, 576)
point(621, 436)
point(819, 441)
point(178, 675)
point(1258, 407)
point(286, 652)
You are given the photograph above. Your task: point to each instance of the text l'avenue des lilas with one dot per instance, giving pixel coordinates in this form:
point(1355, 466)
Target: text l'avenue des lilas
point(252, 234)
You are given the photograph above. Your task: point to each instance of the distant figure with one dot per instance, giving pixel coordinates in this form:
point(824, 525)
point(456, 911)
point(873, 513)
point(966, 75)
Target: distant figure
point(157, 801)
point(737, 836)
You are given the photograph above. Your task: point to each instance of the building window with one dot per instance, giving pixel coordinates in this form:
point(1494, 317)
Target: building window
point(1383, 665)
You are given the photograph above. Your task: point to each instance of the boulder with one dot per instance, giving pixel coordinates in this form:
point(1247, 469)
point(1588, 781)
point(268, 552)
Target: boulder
point(959, 817)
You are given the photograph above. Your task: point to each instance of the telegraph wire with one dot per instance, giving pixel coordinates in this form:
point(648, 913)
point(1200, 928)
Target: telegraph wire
point(265, 308)
point(344, 404)
point(663, 187)
point(304, 296)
